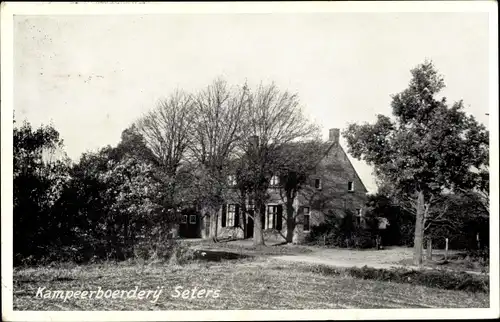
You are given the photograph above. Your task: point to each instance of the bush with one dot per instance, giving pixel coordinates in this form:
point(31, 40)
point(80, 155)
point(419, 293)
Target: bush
point(150, 250)
point(181, 254)
point(342, 232)
point(431, 278)
point(324, 270)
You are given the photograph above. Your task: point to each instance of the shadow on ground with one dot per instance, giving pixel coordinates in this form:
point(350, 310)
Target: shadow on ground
point(216, 256)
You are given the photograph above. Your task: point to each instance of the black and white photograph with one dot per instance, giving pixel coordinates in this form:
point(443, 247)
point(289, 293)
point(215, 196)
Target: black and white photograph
point(249, 161)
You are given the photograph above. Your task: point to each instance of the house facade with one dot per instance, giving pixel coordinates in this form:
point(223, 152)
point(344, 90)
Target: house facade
point(332, 190)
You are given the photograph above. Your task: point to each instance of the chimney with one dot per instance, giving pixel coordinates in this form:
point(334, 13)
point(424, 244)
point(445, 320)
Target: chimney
point(334, 136)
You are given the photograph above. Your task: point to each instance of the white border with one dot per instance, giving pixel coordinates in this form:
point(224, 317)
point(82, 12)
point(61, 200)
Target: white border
point(9, 9)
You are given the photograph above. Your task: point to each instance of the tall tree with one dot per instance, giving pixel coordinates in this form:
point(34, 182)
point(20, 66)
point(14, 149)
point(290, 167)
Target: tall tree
point(133, 144)
point(166, 129)
point(426, 148)
point(296, 162)
point(166, 132)
point(218, 126)
point(274, 119)
point(38, 183)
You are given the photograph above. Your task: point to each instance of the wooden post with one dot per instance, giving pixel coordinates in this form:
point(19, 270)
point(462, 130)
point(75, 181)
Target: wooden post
point(478, 241)
point(446, 249)
point(324, 240)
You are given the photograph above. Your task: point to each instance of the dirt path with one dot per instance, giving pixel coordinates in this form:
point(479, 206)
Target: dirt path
point(380, 259)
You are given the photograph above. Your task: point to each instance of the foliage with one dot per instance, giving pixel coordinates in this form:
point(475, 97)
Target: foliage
point(344, 232)
point(459, 217)
point(426, 148)
point(401, 223)
point(432, 278)
point(429, 146)
point(38, 182)
point(102, 207)
point(182, 254)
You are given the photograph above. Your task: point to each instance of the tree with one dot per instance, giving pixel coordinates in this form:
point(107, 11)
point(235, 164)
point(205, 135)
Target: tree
point(37, 185)
point(135, 207)
point(295, 163)
point(427, 147)
point(460, 217)
point(134, 145)
point(218, 112)
point(274, 120)
point(166, 133)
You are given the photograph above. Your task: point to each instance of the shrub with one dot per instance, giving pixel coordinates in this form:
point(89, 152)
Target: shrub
point(181, 254)
point(149, 250)
point(342, 232)
point(324, 270)
point(431, 278)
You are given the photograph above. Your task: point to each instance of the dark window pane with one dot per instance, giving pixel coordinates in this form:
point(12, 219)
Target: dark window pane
point(236, 215)
point(223, 217)
point(279, 216)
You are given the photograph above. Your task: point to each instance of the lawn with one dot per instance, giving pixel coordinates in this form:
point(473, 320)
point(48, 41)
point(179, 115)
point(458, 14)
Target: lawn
point(253, 283)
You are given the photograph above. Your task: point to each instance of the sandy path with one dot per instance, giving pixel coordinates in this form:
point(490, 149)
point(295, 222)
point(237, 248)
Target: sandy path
point(380, 259)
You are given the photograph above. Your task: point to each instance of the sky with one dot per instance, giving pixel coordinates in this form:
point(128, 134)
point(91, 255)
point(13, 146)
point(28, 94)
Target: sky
point(91, 76)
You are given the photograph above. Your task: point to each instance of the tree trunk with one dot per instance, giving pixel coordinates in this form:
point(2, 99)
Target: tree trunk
point(429, 250)
point(298, 230)
point(290, 219)
point(258, 234)
point(243, 213)
point(419, 230)
point(214, 223)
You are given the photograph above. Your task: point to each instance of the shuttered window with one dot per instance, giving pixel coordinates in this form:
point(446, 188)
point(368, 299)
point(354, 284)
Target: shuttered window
point(274, 217)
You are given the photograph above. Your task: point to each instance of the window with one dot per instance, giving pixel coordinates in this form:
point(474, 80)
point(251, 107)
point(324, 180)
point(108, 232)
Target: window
point(317, 184)
point(231, 215)
point(307, 218)
point(350, 186)
point(231, 180)
point(184, 219)
point(274, 217)
point(274, 181)
point(192, 219)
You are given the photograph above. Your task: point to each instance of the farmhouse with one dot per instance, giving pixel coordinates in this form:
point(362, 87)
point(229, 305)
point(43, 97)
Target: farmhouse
point(333, 189)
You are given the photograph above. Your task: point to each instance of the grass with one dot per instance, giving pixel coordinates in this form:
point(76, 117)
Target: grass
point(259, 250)
point(243, 284)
